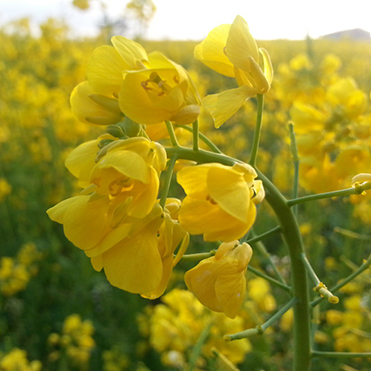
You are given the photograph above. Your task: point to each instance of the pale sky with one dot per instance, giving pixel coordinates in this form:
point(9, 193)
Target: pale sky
point(193, 19)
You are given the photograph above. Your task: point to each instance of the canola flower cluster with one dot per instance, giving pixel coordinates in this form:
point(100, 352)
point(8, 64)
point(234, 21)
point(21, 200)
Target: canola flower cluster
point(75, 342)
point(174, 327)
point(117, 219)
point(16, 360)
point(15, 273)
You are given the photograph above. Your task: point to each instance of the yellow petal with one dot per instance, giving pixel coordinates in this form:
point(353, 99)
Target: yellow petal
point(104, 70)
point(228, 188)
point(111, 239)
point(240, 45)
point(136, 103)
point(144, 201)
point(193, 180)
point(85, 221)
point(130, 51)
point(97, 263)
point(88, 111)
point(211, 51)
point(57, 212)
point(202, 217)
point(268, 68)
point(81, 160)
point(201, 281)
point(127, 163)
point(230, 292)
point(134, 264)
point(224, 105)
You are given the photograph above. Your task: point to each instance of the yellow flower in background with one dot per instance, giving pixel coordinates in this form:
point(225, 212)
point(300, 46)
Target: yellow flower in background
point(220, 201)
point(16, 359)
point(5, 188)
point(345, 95)
point(219, 282)
point(232, 51)
point(81, 4)
point(162, 92)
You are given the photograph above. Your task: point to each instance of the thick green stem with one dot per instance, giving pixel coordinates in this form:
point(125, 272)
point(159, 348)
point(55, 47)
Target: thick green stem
point(258, 127)
point(292, 236)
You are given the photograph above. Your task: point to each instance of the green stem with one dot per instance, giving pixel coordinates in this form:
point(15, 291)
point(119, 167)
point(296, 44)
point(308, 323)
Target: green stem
point(261, 248)
point(198, 256)
point(258, 127)
point(204, 138)
point(170, 129)
point(352, 234)
point(167, 182)
point(200, 156)
point(316, 353)
point(260, 329)
point(269, 233)
point(197, 349)
point(366, 264)
point(320, 287)
point(292, 236)
point(270, 279)
point(195, 136)
point(356, 190)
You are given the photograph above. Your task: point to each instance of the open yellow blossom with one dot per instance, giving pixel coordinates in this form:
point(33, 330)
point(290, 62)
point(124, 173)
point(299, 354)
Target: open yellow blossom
point(219, 282)
point(162, 92)
point(150, 88)
point(220, 201)
point(123, 184)
point(232, 51)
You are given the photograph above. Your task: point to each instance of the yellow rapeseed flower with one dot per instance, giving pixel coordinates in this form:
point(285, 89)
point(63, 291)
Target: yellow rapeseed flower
point(162, 92)
point(219, 282)
point(232, 51)
point(220, 201)
point(138, 257)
